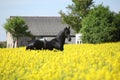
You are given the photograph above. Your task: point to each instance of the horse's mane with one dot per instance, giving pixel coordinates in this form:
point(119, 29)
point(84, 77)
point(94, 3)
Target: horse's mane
point(59, 35)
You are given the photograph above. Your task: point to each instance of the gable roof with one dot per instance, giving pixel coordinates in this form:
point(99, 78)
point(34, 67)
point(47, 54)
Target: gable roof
point(44, 26)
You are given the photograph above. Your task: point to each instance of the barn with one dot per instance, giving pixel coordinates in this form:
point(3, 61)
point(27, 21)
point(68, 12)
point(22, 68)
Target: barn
point(41, 27)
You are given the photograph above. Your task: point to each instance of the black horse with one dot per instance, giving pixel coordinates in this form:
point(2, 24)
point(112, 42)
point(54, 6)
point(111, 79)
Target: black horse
point(57, 43)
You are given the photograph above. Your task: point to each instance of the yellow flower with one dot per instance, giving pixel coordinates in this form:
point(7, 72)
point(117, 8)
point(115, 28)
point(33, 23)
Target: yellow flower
point(76, 62)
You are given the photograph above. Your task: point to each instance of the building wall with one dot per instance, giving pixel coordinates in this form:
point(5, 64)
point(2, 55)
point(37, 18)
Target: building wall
point(50, 38)
point(24, 41)
point(9, 40)
point(66, 41)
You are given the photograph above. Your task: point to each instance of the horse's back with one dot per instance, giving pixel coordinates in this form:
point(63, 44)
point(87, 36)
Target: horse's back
point(37, 44)
point(30, 46)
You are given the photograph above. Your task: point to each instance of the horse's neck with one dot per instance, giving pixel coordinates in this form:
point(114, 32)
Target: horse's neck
point(61, 38)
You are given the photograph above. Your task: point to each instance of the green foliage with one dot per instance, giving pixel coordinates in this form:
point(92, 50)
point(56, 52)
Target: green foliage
point(17, 27)
point(116, 22)
point(76, 12)
point(99, 25)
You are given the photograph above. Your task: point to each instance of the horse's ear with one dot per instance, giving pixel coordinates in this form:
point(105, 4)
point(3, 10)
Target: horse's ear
point(65, 28)
point(69, 27)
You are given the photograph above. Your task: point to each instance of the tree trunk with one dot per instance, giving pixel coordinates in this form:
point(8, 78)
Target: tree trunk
point(17, 42)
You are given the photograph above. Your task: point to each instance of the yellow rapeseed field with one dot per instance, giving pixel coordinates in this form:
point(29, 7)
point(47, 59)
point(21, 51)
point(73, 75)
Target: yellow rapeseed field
point(76, 62)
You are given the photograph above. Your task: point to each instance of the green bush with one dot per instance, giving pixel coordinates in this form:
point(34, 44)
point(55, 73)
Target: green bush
point(99, 26)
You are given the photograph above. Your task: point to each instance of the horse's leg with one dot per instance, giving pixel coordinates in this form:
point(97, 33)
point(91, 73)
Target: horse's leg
point(27, 47)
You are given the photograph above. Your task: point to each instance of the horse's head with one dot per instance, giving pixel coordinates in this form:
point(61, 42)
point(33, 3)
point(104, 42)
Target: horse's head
point(67, 33)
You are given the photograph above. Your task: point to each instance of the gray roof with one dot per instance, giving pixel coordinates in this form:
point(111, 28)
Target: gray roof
point(42, 26)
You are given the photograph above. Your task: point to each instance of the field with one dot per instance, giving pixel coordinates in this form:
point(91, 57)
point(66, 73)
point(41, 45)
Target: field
point(76, 62)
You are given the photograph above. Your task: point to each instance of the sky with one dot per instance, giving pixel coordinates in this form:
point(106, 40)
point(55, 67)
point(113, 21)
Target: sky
point(40, 8)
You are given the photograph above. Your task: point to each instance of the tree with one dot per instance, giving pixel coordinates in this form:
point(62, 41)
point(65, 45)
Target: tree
point(98, 25)
point(76, 12)
point(17, 27)
point(116, 22)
